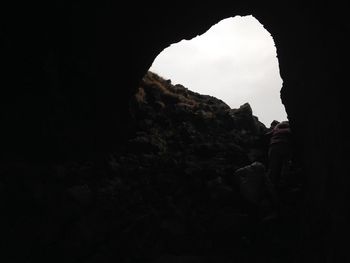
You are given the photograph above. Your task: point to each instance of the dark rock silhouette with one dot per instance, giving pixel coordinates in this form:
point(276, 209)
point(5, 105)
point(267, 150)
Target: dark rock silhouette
point(169, 192)
point(69, 70)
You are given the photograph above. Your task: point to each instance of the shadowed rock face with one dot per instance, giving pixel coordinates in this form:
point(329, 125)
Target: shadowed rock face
point(169, 192)
point(70, 69)
point(174, 120)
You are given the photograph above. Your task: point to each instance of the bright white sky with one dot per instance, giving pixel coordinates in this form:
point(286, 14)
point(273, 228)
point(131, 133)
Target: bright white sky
point(235, 61)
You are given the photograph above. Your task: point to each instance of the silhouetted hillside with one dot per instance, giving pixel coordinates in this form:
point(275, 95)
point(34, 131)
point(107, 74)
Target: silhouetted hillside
point(168, 193)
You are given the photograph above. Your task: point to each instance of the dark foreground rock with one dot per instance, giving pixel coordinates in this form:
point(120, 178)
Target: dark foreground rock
point(167, 196)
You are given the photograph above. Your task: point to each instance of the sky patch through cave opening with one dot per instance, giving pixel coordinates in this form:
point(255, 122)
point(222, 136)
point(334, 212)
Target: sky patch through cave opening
point(235, 61)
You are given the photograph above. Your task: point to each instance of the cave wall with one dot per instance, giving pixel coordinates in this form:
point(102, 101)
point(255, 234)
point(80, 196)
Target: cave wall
point(68, 70)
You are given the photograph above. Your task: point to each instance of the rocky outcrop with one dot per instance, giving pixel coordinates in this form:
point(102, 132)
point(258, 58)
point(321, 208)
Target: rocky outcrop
point(169, 118)
point(169, 192)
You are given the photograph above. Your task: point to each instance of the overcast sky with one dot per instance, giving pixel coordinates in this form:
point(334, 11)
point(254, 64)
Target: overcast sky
point(235, 61)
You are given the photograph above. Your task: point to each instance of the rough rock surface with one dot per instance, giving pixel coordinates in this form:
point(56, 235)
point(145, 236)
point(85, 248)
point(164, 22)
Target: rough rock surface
point(168, 196)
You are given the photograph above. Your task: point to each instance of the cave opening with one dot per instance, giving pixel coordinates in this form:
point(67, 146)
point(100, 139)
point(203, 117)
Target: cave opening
point(235, 61)
point(77, 184)
point(202, 112)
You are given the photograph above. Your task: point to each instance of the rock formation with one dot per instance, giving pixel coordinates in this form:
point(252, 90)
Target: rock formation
point(69, 70)
point(169, 192)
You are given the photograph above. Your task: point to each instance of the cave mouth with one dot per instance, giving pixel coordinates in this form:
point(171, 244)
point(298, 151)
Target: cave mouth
point(235, 61)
